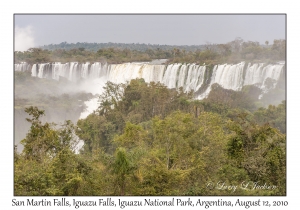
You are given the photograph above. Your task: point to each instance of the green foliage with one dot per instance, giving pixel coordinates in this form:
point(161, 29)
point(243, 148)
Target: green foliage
point(121, 167)
point(133, 136)
point(96, 132)
point(48, 165)
point(273, 115)
point(233, 52)
point(260, 150)
point(122, 46)
point(245, 99)
point(148, 140)
point(41, 139)
point(110, 97)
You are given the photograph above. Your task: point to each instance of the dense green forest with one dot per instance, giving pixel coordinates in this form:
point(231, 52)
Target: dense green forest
point(146, 139)
point(235, 51)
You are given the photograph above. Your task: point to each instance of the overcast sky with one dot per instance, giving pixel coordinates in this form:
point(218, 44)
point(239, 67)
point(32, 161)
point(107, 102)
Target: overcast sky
point(38, 30)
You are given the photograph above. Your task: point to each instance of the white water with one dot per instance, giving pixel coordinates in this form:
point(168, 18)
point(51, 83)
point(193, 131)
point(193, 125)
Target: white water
point(91, 105)
point(259, 74)
point(228, 76)
point(188, 76)
point(23, 66)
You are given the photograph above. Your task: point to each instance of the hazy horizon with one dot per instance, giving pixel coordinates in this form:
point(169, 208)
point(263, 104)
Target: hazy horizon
point(183, 29)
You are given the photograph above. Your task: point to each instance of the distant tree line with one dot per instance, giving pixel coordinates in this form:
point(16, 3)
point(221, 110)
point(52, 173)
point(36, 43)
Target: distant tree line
point(232, 52)
point(122, 46)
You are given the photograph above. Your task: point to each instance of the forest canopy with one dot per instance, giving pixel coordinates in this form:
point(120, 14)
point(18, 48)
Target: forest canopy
point(146, 139)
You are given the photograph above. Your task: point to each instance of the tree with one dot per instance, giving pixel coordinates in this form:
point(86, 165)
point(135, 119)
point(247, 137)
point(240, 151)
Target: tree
point(121, 167)
point(275, 116)
point(175, 52)
point(260, 150)
point(110, 98)
point(48, 164)
point(41, 140)
point(96, 132)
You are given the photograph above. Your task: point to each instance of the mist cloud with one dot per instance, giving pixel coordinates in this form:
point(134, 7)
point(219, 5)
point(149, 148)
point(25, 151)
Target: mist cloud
point(24, 38)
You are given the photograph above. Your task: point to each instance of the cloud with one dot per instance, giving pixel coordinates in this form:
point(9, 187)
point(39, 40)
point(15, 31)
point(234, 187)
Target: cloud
point(24, 38)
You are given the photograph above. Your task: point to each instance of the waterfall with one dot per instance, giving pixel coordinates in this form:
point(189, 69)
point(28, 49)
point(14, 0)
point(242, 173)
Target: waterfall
point(59, 70)
point(229, 76)
point(34, 70)
point(41, 69)
point(188, 76)
point(85, 70)
point(195, 78)
point(121, 73)
point(23, 66)
point(170, 76)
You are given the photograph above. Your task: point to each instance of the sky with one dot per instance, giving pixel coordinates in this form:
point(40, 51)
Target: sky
point(181, 29)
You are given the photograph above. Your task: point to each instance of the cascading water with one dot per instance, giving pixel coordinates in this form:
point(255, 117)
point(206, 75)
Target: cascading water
point(23, 66)
point(188, 76)
point(229, 76)
point(170, 76)
point(195, 78)
point(85, 70)
point(34, 70)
